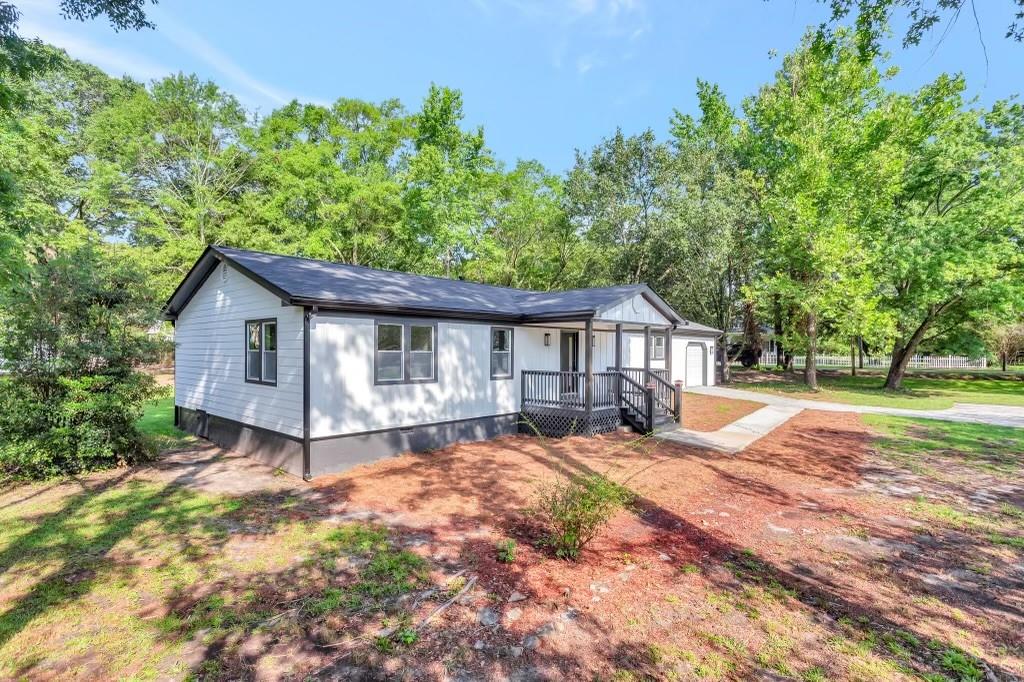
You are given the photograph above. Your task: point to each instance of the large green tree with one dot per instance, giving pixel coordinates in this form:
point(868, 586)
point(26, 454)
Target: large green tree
point(527, 239)
point(616, 197)
point(45, 167)
point(168, 171)
point(327, 182)
point(948, 247)
point(449, 184)
point(709, 255)
point(816, 140)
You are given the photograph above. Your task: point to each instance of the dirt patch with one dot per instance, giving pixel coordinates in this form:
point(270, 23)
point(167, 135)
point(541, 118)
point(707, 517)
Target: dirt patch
point(710, 413)
point(797, 540)
point(809, 555)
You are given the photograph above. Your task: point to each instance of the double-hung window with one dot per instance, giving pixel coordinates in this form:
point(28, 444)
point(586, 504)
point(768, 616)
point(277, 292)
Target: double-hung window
point(261, 351)
point(501, 352)
point(657, 347)
point(405, 352)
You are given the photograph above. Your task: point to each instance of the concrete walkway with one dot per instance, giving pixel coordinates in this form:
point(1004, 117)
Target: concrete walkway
point(779, 409)
point(996, 415)
point(737, 435)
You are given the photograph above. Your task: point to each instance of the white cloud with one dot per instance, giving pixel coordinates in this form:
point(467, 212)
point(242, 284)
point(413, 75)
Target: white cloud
point(197, 46)
point(41, 18)
point(115, 61)
point(585, 63)
point(593, 30)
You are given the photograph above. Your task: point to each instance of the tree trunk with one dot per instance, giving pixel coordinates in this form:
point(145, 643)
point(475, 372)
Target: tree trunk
point(811, 361)
point(751, 330)
point(780, 351)
point(853, 357)
point(1002, 356)
point(901, 355)
point(860, 352)
point(722, 352)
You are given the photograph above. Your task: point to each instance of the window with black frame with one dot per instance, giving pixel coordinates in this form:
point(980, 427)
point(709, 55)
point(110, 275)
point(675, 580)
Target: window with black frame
point(501, 352)
point(261, 351)
point(405, 352)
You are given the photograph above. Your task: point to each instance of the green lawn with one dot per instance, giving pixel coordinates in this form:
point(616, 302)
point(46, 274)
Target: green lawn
point(919, 392)
point(127, 579)
point(157, 422)
point(995, 450)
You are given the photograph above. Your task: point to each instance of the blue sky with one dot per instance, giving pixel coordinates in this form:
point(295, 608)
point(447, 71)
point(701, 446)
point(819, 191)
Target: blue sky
point(543, 77)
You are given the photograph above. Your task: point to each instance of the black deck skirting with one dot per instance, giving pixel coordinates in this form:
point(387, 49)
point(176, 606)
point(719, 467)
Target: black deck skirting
point(558, 422)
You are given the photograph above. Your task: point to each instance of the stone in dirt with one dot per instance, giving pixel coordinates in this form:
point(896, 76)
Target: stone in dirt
point(512, 615)
point(488, 617)
point(531, 642)
point(778, 529)
point(516, 596)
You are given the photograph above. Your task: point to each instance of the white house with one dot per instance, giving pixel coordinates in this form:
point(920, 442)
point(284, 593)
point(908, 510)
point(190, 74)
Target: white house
point(315, 366)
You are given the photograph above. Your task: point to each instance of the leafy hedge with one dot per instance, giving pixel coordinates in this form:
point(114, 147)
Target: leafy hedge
point(87, 423)
point(74, 322)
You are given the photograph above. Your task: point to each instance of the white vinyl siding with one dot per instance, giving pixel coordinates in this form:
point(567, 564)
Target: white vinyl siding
point(210, 348)
point(344, 398)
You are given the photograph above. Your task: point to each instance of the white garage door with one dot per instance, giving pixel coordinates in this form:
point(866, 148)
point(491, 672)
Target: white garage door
point(695, 364)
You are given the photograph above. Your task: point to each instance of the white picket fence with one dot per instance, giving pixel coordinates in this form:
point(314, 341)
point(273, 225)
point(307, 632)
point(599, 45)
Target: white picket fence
point(883, 361)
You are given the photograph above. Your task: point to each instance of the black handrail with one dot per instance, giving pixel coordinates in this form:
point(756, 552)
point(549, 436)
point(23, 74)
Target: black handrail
point(664, 394)
point(637, 397)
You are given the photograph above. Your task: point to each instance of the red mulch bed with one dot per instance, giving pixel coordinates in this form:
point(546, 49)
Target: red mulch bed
point(791, 505)
point(710, 413)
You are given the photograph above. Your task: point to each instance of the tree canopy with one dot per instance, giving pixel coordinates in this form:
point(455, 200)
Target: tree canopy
point(829, 207)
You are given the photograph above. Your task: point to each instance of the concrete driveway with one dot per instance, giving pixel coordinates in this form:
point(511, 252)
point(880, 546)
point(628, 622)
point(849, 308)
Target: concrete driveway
point(996, 415)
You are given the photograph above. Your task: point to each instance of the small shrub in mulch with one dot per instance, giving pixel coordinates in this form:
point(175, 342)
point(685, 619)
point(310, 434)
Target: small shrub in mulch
point(506, 551)
point(573, 511)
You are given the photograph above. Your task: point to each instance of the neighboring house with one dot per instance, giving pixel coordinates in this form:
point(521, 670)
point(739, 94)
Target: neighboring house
point(315, 366)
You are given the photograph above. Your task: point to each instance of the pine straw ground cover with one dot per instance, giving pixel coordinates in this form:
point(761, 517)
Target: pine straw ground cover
point(831, 549)
point(710, 413)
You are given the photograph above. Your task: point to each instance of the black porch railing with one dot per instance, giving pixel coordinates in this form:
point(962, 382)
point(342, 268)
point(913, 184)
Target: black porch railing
point(547, 388)
point(641, 396)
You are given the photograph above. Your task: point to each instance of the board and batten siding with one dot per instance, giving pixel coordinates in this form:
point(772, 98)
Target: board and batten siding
point(209, 336)
point(345, 400)
point(636, 309)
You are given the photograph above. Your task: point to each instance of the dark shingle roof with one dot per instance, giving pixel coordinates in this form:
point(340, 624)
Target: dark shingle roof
point(302, 281)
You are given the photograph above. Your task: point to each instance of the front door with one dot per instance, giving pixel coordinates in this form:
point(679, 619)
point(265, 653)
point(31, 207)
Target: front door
point(570, 353)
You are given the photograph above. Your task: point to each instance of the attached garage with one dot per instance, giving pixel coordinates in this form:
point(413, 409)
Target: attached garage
point(693, 353)
point(696, 364)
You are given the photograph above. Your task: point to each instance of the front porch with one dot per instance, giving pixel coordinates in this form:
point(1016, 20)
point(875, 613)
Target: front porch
point(578, 399)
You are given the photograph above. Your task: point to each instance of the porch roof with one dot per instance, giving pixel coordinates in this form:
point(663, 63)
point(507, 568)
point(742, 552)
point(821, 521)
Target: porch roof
point(353, 288)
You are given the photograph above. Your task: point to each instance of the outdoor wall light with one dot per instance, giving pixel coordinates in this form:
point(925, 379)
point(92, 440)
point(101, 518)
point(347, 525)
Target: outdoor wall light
point(547, 339)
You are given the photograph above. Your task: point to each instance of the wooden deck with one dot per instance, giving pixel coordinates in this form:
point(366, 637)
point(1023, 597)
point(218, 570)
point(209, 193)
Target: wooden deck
point(557, 403)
